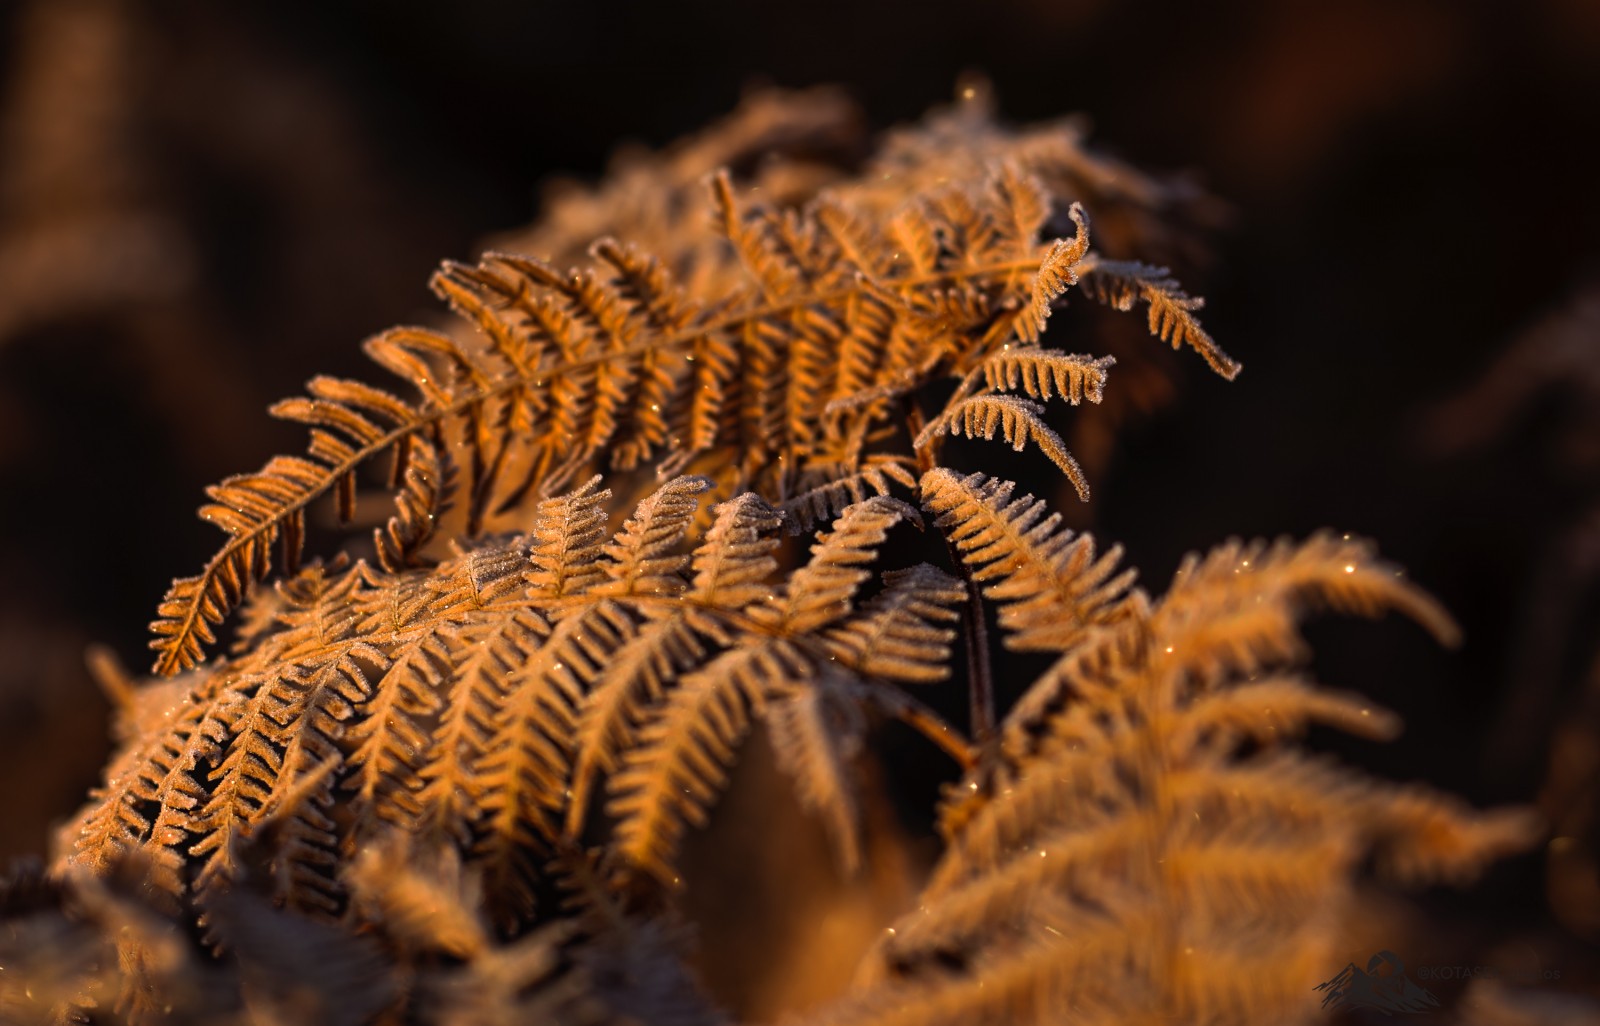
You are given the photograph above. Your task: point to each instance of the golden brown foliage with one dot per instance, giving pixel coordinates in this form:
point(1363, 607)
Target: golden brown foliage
point(448, 782)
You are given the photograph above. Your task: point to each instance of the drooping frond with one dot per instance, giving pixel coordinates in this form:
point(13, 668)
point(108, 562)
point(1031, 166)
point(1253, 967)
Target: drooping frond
point(253, 508)
point(897, 633)
point(1120, 284)
point(1017, 420)
point(822, 591)
point(681, 761)
point(803, 512)
point(815, 739)
point(1282, 705)
point(1050, 583)
point(1325, 571)
point(607, 720)
point(1143, 800)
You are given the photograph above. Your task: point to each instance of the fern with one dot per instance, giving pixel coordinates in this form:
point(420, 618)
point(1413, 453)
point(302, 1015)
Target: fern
point(1121, 284)
point(451, 782)
point(571, 650)
point(619, 365)
point(1142, 814)
point(1051, 585)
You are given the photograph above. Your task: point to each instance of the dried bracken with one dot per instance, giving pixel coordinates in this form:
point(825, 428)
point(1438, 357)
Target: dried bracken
point(447, 778)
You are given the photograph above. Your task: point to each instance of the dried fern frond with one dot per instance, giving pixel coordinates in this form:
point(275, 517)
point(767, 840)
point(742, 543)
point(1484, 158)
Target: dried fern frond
point(1017, 420)
point(1045, 373)
point(786, 378)
point(450, 783)
point(816, 738)
point(679, 760)
point(618, 365)
point(1051, 586)
point(1120, 284)
point(1142, 801)
point(481, 703)
point(803, 512)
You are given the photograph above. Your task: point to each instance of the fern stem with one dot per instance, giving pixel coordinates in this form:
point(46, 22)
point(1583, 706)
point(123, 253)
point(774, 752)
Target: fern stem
point(929, 724)
point(981, 686)
point(974, 626)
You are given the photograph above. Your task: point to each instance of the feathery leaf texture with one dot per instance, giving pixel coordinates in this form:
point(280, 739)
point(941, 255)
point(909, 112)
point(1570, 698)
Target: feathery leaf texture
point(449, 783)
point(542, 664)
point(777, 382)
point(1121, 284)
point(1051, 586)
point(1144, 845)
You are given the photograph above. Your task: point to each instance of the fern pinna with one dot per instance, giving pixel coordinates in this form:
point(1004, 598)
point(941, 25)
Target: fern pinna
point(466, 760)
point(785, 383)
point(1142, 814)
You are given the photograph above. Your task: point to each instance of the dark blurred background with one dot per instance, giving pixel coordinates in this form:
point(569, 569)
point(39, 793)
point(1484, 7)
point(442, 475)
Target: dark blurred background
point(201, 205)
